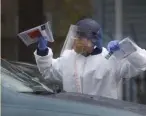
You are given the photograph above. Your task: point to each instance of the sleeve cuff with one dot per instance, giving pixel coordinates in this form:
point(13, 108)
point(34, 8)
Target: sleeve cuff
point(42, 52)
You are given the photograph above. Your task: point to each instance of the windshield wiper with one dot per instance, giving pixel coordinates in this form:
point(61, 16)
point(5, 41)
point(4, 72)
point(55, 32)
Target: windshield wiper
point(43, 86)
point(40, 92)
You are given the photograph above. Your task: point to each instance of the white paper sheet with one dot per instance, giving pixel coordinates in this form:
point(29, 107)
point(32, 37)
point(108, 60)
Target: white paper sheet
point(43, 29)
point(127, 47)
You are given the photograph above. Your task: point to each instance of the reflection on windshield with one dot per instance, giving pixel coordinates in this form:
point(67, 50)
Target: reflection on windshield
point(13, 83)
point(10, 72)
point(18, 74)
point(30, 69)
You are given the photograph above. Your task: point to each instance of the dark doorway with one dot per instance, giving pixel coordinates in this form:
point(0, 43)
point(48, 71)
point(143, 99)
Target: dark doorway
point(30, 15)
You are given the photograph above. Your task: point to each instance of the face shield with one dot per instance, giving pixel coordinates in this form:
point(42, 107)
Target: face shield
point(83, 41)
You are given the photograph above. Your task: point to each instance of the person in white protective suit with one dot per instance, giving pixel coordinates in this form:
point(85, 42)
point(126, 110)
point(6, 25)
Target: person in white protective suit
point(82, 66)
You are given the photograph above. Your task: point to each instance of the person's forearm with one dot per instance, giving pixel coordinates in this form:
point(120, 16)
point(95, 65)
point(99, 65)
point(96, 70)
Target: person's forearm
point(138, 59)
point(47, 67)
point(43, 59)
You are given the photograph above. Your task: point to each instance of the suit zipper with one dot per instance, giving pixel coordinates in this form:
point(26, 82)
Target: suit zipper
point(81, 77)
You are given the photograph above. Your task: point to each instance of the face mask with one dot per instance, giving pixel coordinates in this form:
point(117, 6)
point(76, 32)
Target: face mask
point(83, 46)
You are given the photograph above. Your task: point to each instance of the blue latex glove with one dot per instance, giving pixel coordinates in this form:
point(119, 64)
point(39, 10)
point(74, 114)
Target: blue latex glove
point(42, 43)
point(113, 46)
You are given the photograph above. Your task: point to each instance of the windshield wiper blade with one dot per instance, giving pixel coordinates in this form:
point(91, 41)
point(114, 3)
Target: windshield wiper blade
point(44, 86)
point(40, 92)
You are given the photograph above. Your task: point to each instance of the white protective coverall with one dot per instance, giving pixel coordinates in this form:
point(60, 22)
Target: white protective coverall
point(93, 75)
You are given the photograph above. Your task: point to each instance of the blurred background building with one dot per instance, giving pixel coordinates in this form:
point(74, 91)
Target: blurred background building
point(118, 18)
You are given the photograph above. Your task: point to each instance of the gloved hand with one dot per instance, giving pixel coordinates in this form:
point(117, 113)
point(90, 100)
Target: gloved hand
point(42, 49)
point(42, 43)
point(113, 46)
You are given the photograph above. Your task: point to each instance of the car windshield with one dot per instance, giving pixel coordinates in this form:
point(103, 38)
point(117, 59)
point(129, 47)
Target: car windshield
point(19, 79)
point(30, 69)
